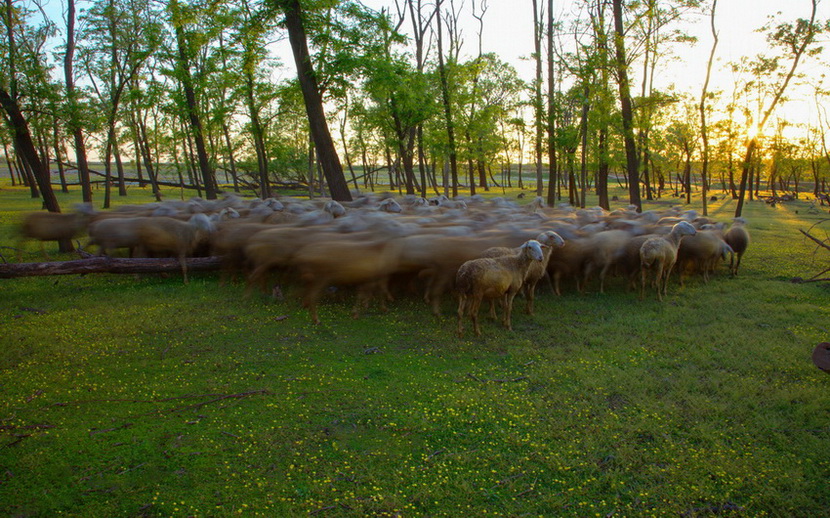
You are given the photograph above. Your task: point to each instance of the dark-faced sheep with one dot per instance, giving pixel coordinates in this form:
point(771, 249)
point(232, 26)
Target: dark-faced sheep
point(493, 278)
point(658, 255)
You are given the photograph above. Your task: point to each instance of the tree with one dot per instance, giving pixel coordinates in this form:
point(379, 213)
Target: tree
point(702, 107)
point(180, 18)
point(326, 152)
point(24, 59)
point(621, 67)
point(73, 106)
point(795, 39)
point(445, 98)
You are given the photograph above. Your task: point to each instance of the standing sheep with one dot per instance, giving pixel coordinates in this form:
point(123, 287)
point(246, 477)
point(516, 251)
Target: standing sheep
point(54, 226)
point(659, 254)
point(493, 278)
point(549, 240)
point(737, 237)
point(168, 236)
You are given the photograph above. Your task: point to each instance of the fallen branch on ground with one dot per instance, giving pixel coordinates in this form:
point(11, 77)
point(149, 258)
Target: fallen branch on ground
point(107, 265)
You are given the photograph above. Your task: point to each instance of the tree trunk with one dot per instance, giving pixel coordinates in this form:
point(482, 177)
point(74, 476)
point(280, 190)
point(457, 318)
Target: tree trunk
point(537, 96)
point(627, 114)
point(74, 126)
point(25, 149)
point(108, 265)
point(326, 153)
point(192, 107)
point(445, 97)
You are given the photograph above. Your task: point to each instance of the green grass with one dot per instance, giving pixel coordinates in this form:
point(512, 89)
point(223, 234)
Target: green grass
point(114, 397)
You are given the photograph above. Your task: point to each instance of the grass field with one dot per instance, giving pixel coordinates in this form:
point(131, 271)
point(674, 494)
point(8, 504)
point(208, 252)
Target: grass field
point(125, 396)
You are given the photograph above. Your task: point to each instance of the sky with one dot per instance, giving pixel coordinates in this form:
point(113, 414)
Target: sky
point(508, 31)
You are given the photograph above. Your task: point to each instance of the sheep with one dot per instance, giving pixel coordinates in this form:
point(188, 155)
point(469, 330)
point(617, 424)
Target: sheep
point(390, 205)
point(493, 278)
point(607, 247)
point(344, 260)
point(701, 252)
point(569, 261)
point(659, 254)
point(115, 232)
point(437, 258)
point(229, 242)
point(53, 226)
point(549, 240)
point(169, 236)
point(272, 249)
point(737, 237)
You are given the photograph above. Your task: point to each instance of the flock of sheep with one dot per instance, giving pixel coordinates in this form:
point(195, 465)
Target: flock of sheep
point(483, 249)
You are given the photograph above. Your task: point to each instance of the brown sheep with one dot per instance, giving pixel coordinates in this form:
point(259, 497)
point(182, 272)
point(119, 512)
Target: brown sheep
point(493, 278)
point(701, 252)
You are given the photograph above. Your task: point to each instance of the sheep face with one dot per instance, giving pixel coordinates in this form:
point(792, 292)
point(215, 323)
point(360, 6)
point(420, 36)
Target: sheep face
point(683, 228)
point(334, 208)
point(550, 239)
point(533, 249)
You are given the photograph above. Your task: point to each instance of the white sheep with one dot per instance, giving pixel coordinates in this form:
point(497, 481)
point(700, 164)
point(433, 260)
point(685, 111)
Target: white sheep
point(54, 226)
point(169, 236)
point(493, 278)
point(658, 254)
point(737, 237)
point(549, 240)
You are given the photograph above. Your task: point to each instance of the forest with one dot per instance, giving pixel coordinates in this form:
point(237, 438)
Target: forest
point(190, 94)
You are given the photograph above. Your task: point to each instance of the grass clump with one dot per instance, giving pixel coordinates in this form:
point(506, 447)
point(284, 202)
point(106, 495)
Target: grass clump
point(143, 396)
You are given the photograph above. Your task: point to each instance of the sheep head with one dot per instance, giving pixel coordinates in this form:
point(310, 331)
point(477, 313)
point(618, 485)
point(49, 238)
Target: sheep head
point(533, 250)
point(683, 228)
point(551, 239)
point(334, 208)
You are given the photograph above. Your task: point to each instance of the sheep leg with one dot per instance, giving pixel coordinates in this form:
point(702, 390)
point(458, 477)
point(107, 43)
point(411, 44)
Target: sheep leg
point(492, 314)
point(643, 276)
point(364, 295)
point(475, 304)
point(462, 302)
point(602, 275)
point(658, 280)
point(556, 277)
point(183, 263)
point(530, 295)
point(508, 309)
point(312, 296)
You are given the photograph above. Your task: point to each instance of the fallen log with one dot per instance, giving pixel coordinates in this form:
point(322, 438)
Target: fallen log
point(107, 265)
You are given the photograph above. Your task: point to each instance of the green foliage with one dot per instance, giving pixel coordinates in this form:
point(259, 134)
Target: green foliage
point(124, 396)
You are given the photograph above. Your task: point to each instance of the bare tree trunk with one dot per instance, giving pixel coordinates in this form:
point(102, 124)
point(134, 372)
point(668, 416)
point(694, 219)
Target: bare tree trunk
point(553, 177)
point(58, 160)
point(627, 115)
point(25, 149)
point(326, 152)
point(537, 96)
point(703, 129)
point(74, 126)
point(445, 97)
